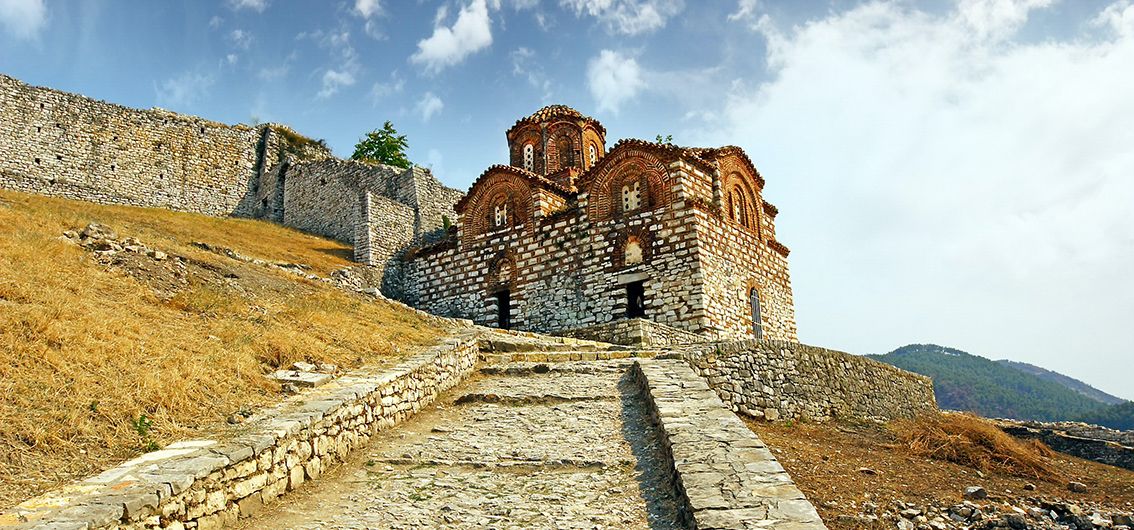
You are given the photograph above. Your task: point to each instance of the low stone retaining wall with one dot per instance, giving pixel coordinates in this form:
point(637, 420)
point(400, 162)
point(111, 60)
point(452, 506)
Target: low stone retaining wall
point(206, 484)
point(781, 379)
point(637, 332)
point(724, 473)
point(1076, 440)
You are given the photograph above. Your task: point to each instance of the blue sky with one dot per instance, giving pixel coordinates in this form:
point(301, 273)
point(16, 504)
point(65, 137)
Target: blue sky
point(953, 171)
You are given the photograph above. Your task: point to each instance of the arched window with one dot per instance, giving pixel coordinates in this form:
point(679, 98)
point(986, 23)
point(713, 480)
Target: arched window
point(631, 196)
point(738, 208)
point(500, 215)
point(566, 152)
point(593, 153)
point(529, 157)
point(632, 255)
point(754, 300)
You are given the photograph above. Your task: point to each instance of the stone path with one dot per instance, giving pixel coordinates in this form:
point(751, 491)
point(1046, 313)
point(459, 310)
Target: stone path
point(523, 445)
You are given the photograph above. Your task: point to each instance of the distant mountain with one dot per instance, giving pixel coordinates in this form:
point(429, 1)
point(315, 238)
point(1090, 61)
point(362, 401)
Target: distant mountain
point(962, 381)
point(1067, 381)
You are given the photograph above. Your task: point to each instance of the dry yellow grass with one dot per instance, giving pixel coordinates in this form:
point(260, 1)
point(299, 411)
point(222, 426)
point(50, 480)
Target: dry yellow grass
point(86, 350)
point(972, 441)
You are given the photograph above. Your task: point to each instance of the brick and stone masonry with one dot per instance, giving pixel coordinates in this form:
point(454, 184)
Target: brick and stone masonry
point(571, 235)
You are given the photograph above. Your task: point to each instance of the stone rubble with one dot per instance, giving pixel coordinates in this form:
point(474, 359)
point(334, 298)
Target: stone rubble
point(989, 514)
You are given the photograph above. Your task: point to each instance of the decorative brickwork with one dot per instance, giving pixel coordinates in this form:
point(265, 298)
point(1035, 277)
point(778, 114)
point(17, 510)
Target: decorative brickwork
point(643, 229)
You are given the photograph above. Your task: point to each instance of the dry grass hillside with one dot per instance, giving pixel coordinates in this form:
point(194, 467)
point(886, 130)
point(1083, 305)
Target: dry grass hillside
point(914, 474)
point(105, 355)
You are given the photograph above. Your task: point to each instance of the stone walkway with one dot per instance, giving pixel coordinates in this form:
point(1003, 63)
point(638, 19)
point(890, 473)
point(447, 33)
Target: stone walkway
point(565, 445)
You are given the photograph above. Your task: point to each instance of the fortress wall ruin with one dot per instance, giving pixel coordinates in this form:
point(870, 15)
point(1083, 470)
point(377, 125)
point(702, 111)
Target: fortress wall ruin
point(785, 379)
point(67, 145)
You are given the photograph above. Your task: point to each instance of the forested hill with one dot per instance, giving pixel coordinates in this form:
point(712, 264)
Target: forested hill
point(1067, 381)
point(963, 381)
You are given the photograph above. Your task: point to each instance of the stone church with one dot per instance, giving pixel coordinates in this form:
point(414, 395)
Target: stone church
point(572, 234)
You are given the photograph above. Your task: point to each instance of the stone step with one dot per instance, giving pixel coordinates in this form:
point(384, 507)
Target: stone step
point(545, 356)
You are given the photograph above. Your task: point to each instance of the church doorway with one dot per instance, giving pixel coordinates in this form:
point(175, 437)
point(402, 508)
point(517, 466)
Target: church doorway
point(504, 309)
point(636, 300)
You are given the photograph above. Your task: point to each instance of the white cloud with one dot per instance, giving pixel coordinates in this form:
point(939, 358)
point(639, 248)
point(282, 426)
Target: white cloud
point(525, 65)
point(231, 58)
point(240, 39)
point(613, 79)
point(429, 105)
point(941, 180)
point(448, 46)
point(255, 5)
point(1119, 17)
point(997, 18)
point(23, 19)
point(215, 22)
point(745, 10)
point(333, 80)
point(628, 17)
point(368, 8)
point(273, 73)
point(380, 90)
point(184, 90)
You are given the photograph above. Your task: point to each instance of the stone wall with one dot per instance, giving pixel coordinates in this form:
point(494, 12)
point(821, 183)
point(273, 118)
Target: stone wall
point(562, 271)
point(381, 238)
point(734, 261)
point(67, 145)
point(784, 379)
point(1090, 442)
point(726, 476)
point(329, 197)
point(636, 332)
point(206, 484)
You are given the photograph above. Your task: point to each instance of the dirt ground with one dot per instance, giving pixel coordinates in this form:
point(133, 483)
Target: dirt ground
point(847, 470)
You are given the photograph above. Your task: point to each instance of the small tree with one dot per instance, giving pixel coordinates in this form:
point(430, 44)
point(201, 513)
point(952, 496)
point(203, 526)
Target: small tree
point(667, 139)
point(383, 146)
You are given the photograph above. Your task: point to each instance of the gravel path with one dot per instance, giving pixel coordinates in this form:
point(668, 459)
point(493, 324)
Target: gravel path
point(565, 445)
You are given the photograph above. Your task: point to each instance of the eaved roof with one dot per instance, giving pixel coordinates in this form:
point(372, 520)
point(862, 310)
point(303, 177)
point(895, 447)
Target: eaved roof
point(534, 178)
point(552, 112)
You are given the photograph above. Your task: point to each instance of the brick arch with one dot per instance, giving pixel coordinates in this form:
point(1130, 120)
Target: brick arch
point(511, 189)
point(605, 187)
point(527, 135)
point(640, 234)
point(560, 135)
point(740, 202)
point(501, 273)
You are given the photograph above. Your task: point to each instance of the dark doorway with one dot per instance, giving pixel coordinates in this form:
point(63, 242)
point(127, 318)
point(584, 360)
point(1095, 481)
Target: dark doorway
point(504, 309)
point(636, 300)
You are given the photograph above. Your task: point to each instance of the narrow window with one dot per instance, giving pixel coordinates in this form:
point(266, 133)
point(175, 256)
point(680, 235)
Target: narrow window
point(504, 309)
point(529, 157)
point(631, 197)
point(754, 300)
point(566, 154)
point(500, 215)
point(593, 153)
point(636, 300)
